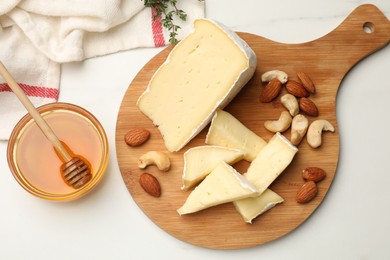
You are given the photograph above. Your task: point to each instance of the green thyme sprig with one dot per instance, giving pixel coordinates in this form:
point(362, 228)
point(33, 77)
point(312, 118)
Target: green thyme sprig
point(167, 17)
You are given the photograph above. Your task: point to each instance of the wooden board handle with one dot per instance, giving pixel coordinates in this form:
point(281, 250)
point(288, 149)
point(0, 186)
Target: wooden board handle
point(363, 32)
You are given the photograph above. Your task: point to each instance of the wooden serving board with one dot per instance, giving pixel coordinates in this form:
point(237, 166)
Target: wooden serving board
point(326, 61)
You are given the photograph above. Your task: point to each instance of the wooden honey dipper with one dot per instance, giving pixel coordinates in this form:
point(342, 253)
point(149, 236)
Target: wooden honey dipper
point(75, 171)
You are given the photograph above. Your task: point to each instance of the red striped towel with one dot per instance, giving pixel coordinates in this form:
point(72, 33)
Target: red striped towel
point(36, 37)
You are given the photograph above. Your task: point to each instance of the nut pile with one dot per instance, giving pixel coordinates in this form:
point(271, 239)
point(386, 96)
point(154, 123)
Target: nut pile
point(137, 137)
point(295, 101)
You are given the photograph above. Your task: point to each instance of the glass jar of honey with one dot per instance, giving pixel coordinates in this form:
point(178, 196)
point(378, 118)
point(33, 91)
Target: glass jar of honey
point(34, 162)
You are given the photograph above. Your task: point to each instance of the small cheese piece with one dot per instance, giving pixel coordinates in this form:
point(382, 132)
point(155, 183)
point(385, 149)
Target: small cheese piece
point(269, 164)
point(204, 71)
point(201, 160)
point(224, 184)
point(226, 130)
point(250, 208)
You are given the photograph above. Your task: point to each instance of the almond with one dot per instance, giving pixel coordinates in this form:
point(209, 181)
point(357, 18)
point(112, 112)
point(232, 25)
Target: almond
point(307, 192)
point(137, 136)
point(271, 91)
point(295, 88)
point(306, 82)
point(150, 184)
point(308, 107)
point(313, 174)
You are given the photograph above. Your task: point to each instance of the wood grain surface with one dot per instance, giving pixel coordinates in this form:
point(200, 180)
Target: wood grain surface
point(326, 60)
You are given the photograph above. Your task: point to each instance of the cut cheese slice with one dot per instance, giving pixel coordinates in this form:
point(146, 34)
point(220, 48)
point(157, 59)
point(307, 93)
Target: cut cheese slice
point(226, 130)
point(204, 71)
point(224, 184)
point(269, 164)
point(201, 160)
point(251, 208)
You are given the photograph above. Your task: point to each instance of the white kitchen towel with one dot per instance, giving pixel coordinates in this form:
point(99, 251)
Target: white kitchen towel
point(36, 36)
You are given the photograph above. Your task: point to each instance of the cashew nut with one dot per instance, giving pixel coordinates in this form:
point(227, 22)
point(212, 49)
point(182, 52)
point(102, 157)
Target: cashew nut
point(290, 103)
point(280, 125)
point(299, 127)
point(280, 75)
point(315, 130)
point(160, 159)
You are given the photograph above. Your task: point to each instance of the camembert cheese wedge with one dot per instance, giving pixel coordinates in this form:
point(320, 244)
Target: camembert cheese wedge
point(250, 208)
point(224, 184)
point(268, 165)
point(271, 162)
point(201, 160)
point(204, 72)
point(226, 130)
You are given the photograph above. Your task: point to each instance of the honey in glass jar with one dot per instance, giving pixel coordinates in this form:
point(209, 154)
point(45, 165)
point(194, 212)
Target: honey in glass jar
point(33, 159)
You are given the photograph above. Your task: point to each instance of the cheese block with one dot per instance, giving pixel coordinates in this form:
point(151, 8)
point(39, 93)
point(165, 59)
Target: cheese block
point(201, 160)
point(224, 184)
point(203, 72)
point(251, 208)
point(269, 164)
point(226, 130)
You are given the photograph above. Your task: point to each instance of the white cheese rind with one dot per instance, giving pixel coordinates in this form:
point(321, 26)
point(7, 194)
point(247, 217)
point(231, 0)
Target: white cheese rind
point(179, 130)
point(201, 160)
point(250, 208)
point(226, 130)
point(224, 184)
